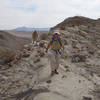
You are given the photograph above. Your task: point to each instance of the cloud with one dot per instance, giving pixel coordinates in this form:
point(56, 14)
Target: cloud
point(44, 13)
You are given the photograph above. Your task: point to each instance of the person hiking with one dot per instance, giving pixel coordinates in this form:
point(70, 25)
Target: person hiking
point(34, 37)
point(55, 52)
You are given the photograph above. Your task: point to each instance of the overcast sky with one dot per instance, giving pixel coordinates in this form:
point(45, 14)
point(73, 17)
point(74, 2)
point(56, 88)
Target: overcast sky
point(44, 13)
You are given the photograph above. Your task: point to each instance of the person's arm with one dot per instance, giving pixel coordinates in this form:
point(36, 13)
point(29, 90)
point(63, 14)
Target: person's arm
point(48, 46)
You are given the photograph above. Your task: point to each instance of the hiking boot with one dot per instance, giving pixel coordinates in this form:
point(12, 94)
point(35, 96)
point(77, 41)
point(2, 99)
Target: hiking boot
point(56, 72)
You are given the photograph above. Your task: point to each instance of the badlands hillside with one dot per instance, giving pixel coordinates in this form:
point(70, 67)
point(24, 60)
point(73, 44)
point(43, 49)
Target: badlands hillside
point(82, 36)
point(79, 71)
point(10, 45)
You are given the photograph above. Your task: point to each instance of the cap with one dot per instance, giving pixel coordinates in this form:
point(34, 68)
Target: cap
point(56, 32)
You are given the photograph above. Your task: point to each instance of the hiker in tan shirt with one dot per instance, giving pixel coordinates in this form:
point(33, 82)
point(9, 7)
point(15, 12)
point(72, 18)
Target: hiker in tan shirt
point(55, 52)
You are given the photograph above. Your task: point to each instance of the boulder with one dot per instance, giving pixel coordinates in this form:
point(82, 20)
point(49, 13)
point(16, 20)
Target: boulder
point(42, 44)
point(91, 49)
point(27, 47)
point(78, 58)
point(87, 98)
point(26, 53)
point(41, 53)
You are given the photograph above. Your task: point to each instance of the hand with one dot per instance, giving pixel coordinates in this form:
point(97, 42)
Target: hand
point(63, 49)
point(46, 51)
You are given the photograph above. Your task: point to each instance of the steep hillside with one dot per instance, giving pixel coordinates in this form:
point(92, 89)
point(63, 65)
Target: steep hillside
point(82, 27)
point(10, 44)
point(79, 70)
point(82, 41)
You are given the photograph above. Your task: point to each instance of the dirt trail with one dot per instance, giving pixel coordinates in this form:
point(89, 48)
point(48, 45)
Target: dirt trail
point(28, 80)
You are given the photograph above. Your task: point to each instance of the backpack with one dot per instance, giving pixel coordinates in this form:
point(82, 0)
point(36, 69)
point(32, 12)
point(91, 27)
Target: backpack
point(56, 43)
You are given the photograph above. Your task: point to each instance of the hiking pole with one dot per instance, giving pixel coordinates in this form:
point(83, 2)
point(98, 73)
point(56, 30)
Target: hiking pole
point(64, 66)
point(64, 57)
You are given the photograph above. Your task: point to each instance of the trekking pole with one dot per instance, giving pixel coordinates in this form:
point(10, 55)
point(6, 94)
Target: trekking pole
point(65, 55)
point(63, 67)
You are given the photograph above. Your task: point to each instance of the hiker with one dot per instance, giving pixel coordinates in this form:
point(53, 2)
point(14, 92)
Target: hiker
point(34, 37)
point(55, 52)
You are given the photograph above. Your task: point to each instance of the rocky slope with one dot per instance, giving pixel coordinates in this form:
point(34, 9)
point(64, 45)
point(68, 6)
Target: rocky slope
point(79, 72)
point(30, 80)
point(82, 38)
point(10, 45)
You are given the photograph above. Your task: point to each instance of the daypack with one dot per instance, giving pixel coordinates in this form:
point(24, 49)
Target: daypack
point(56, 43)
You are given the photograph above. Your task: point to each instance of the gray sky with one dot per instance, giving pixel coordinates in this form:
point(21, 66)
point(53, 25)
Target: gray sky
point(44, 13)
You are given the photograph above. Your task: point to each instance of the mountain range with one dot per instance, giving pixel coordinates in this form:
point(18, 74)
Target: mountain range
point(31, 29)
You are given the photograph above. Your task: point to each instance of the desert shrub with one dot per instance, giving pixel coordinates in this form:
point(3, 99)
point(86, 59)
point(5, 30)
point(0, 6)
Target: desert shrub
point(43, 36)
point(6, 56)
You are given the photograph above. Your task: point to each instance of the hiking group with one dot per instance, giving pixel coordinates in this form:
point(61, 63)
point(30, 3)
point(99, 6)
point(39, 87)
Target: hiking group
point(56, 50)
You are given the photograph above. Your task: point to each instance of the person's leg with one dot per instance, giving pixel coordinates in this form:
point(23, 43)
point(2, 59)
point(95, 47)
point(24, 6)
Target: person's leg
point(52, 62)
point(57, 58)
